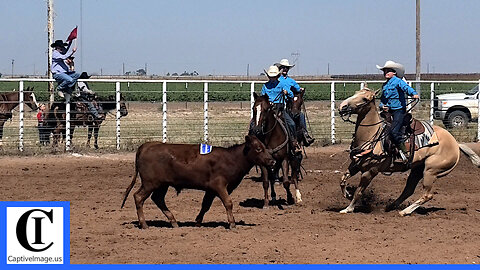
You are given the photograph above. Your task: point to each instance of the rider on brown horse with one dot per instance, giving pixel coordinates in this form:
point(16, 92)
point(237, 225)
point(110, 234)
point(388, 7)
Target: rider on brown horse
point(284, 66)
point(276, 92)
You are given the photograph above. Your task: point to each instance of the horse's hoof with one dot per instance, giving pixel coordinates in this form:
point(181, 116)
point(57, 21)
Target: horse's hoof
point(346, 211)
point(403, 213)
point(174, 224)
point(390, 207)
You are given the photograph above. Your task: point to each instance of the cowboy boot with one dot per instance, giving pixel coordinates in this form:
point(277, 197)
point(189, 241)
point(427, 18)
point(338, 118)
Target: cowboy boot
point(296, 147)
point(307, 139)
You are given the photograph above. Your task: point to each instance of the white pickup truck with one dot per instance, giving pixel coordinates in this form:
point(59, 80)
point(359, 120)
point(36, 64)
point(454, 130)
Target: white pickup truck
point(456, 110)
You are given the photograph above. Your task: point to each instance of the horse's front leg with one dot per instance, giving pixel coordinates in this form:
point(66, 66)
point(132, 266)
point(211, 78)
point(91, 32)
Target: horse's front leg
point(265, 186)
point(286, 181)
point(89, 135)
point(351, 171)
point(295, 164)
point(95, 135)
point(365, 180)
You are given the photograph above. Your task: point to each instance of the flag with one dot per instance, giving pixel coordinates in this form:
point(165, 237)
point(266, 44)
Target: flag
point(73, 34)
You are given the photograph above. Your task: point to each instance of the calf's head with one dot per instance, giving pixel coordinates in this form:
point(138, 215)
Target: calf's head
point(256, 152)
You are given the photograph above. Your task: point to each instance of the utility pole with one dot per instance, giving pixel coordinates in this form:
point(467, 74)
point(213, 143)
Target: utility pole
point(418, 55)
point(50, 41)
point(81, 35)
point(248, 70)
point(296, 55)
point(145, 69)
point(13, 61)
point(123, 68)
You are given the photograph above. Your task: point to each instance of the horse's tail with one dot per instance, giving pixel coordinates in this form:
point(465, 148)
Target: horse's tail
point(134, 179)
point(50, 118)
point(470, 153)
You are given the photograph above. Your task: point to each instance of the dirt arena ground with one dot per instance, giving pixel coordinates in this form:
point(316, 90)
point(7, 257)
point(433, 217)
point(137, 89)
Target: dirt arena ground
point(444, 231)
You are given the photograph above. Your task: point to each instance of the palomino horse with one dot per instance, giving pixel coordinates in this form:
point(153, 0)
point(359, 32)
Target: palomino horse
point(435, 160)
point(10, 100)
point(56, 118)
point(271, 130)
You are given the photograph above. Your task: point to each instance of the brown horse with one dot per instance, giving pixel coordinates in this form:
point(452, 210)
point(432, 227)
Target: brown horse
point(435, 160)
point(271, 130)
point(295, 106)
point(79, 116)
point(10, 100)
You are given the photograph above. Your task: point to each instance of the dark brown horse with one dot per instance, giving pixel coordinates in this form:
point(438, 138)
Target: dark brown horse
point(80, 116)
point(269, 127)
point(10, 100)
point(295, 106)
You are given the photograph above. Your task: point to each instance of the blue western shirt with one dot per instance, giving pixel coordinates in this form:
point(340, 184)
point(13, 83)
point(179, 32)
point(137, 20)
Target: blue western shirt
point(290, 83)
point(274, 90)
point(393, 95)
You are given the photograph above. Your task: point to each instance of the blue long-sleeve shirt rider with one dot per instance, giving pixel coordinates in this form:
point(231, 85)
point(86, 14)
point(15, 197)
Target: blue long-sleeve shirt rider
point(290, 84)
point(274, 91)
point(58, 60)
point(393, 95)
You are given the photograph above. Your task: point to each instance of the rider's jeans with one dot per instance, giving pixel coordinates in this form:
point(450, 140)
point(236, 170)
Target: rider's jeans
point(66, 81)
point(396, 132)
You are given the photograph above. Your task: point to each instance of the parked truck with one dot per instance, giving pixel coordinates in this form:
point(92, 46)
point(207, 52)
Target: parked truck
point(457, 109)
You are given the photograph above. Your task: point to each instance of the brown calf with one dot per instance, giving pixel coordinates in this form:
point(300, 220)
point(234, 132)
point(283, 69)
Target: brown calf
point(181, 166)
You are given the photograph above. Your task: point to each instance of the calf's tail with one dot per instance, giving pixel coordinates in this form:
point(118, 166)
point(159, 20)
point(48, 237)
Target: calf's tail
point(470, 153)
point(129, 188)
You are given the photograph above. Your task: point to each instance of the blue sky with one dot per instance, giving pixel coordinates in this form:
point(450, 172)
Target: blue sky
point(224, 37)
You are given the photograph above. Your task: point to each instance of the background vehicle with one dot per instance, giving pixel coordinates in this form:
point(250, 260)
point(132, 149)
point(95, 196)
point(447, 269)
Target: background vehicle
point(457, 109)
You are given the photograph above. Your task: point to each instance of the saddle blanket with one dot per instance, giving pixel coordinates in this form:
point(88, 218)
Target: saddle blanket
point(205, 149)
point(426, 138)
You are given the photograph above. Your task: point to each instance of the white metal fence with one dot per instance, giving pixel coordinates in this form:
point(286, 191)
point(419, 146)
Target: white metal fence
point(223, 122)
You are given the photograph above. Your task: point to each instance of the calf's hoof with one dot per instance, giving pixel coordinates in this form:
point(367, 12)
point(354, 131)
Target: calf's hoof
point(174, 224)
point(232, 226)
point(143, 226)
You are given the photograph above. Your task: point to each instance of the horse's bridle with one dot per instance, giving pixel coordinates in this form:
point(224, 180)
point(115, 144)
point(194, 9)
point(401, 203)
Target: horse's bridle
point(278, 120)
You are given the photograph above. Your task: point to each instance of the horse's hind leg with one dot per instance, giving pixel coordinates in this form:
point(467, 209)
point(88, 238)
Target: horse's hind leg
point(365, 180)
point(265, 186)
point(140, 196)
point(158, 197)
point(206, 204)
point(89, 135)
point(428, 180)
point(295, 164)
point(95, 136)
point(415, 176)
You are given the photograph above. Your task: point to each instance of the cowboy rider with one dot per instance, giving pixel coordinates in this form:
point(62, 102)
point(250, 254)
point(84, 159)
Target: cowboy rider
point(393, 101)
point(61, 72)
point(284, 66)
point(276, 90)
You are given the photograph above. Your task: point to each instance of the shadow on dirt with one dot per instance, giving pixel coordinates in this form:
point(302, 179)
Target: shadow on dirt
point(211, 224)
point(425, 211)
point(258, 203)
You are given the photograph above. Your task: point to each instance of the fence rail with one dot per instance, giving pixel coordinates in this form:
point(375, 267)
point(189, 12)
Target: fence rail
point(221, 125)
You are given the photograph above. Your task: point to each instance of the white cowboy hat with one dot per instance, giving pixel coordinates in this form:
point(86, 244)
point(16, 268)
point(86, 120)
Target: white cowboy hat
point(399, 69)
point(272, 71)
point(285, 63)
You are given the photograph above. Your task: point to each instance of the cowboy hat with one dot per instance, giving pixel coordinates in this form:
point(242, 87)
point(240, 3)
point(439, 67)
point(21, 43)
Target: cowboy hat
point(84, 75)
point(399, 69)
point(272, 71)
point(58, 43)
point(285, 63)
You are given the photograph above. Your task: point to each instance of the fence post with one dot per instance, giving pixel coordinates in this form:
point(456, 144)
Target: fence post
point(332, 110)
point(68, 142)
point(205, 112)
point(164, 112)
point(21, 111)
point(252, 99)
point(117, 100)
point(432, 101)
point(362, 85)
point(478, 114)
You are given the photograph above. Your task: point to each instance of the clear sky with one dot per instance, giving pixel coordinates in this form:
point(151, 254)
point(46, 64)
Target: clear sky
point(223, 37)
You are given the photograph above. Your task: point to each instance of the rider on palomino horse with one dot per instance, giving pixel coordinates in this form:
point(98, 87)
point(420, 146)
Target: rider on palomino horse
point(393, 102)
point(284, 66)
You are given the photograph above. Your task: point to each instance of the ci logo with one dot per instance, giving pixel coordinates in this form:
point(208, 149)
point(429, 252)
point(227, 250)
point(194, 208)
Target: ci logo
point(38, 221)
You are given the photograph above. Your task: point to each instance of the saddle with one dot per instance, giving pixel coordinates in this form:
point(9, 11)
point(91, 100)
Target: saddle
point(417, 134)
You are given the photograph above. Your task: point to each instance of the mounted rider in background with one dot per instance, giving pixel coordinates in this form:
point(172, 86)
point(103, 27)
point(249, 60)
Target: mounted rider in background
point(393, 101)
point(284, 66)
point(276, 92)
